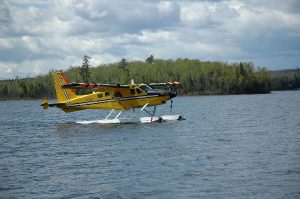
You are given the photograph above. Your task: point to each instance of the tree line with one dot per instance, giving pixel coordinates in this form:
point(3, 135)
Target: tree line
point(286, 79)
point(196, 77)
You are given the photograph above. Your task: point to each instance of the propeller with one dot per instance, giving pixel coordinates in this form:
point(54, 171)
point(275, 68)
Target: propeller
point(174, 84)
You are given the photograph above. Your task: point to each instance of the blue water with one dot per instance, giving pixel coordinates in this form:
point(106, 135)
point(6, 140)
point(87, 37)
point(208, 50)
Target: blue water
point(238, 146)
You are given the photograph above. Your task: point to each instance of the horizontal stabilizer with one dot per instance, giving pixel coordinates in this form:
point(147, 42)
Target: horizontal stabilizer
point(45, 103)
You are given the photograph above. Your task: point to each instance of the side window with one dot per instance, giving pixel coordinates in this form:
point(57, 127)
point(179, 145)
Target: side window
point(132, 91)
point(118, 94)
point(107, 94)
point(100, 95)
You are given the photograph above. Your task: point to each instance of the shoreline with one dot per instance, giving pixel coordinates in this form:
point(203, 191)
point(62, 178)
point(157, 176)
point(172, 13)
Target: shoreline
point(180, 95)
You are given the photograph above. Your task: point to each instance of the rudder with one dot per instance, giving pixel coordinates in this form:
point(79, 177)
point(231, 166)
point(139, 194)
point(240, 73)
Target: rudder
point(62, 95)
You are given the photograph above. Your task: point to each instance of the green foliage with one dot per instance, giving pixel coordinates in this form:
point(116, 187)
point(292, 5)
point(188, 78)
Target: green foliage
point(196, 77)
point(38, 87)
point(286, 79)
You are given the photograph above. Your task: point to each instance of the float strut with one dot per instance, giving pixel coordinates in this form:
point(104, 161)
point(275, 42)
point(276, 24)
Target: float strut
point(118, 115)
point(109, 114)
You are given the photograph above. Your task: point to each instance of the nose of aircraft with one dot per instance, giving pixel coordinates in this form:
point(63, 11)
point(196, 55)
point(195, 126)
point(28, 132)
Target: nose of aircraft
point(172, 94)
point(162, 93)
point(169, 93)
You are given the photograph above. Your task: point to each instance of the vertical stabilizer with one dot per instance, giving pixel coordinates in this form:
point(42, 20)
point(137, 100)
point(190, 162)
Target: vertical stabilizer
point(62, 95)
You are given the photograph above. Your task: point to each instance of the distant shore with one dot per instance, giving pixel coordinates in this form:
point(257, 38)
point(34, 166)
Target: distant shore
point(196, 77)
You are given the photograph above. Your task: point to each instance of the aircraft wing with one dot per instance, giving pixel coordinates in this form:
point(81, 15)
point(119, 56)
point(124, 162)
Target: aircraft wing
point(176, 84)
point(75, 85)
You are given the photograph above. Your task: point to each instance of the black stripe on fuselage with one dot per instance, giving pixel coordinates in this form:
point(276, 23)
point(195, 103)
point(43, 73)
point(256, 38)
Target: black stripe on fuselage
point(111, 100)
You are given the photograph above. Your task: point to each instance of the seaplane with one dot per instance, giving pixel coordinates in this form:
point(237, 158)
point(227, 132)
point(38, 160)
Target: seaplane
point(114, 97)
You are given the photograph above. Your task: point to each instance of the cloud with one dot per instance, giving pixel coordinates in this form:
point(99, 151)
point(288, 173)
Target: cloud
point(36, 36)
point(206, 14)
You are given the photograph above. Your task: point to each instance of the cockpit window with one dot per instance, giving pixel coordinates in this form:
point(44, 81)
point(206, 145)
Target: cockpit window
point(145, 87)
point(132, 91)
point(138, 91)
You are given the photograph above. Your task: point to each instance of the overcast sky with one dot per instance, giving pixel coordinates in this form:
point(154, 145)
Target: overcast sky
point(39, 35)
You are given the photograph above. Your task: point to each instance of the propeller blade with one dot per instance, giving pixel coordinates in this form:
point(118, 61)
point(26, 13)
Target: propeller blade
point(165, 84)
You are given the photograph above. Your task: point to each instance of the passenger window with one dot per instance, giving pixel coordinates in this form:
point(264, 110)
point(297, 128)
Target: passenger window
point(132, 91)
point(100, 95)
point(118, 94)
point(107, 94)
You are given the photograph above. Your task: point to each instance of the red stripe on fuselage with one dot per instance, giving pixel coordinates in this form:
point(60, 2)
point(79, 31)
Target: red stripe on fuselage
point(66, 81)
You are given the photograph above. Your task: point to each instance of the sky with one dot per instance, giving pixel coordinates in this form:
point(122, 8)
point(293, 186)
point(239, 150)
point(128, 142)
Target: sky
point(37, 36)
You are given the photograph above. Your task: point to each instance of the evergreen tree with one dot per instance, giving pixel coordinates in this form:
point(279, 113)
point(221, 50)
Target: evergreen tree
point(123, 64)
point(85, 70)
point(150, 59)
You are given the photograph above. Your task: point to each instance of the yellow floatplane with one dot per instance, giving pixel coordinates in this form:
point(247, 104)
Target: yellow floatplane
point(113, 97)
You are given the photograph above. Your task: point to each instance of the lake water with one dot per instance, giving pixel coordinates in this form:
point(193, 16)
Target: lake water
point(238, 146)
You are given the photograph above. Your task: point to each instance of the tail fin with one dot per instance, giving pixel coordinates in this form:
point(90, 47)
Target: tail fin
point(62, 95)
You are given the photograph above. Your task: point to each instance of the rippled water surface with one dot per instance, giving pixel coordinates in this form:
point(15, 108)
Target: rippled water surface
point(243, 146)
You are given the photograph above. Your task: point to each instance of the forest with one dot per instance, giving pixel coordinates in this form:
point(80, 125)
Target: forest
point(196, 77)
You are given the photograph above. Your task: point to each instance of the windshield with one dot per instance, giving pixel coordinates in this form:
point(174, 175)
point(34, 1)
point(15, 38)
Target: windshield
point(145, 87)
